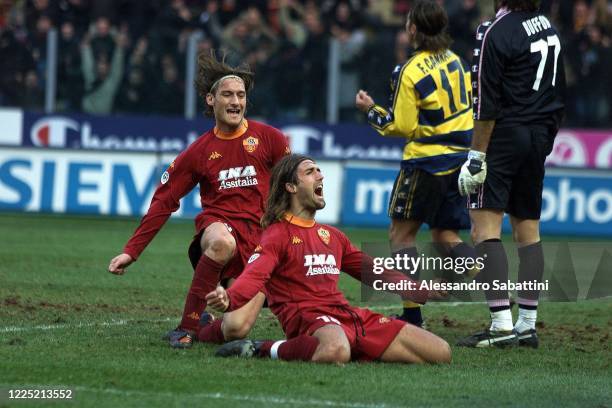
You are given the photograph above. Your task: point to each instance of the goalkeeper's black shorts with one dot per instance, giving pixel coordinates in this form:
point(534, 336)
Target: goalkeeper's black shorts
point(515, 171)
point(435, 200)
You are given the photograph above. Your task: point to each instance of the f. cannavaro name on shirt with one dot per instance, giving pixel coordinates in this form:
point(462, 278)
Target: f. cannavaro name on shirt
point(406, 284)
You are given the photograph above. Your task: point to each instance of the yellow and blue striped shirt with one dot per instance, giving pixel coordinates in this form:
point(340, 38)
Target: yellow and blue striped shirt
point(431, 106)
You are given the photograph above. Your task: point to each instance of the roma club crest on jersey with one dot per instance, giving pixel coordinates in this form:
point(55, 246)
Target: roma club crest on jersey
point(324, 235)
point(250, 144)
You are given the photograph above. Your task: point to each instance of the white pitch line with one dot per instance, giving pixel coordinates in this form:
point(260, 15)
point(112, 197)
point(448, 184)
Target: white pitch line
point(267, 399)
point(123, 322)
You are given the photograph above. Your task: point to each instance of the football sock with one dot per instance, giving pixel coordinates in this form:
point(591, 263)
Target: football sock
point(526, 319)
point(501, 318)
point(412, 311)
point(410, 252)
point(205, 278)
point(531, 268)
point(300, 348)
point(212, 333)
point(495, 267)
point(465, 251)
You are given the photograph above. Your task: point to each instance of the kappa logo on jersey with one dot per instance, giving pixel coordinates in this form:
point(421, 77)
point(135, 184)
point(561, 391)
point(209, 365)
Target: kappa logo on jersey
point(237, 177)
point(250, 144)
point(295, 240)
point(321, 264)
point(253, 258)
point(214, 155)
point(324, 235)
point(258, 248)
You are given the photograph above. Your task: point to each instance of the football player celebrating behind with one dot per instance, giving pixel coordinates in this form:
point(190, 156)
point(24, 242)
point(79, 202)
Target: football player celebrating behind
point(231, 163)
point(299, 262)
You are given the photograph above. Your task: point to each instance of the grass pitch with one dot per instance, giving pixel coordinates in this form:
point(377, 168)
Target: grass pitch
point(66, 323)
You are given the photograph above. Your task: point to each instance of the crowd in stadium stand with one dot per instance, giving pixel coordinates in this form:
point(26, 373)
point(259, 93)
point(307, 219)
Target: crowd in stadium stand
point(128, 56)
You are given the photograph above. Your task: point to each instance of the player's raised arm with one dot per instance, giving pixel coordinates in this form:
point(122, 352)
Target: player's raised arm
point(402, 99)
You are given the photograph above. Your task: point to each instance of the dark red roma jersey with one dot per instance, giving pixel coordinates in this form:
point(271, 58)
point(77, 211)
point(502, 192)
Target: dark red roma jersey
point(233, 171)
point(299, 263)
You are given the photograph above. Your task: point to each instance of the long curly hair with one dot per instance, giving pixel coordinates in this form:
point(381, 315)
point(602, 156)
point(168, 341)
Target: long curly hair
point(431, 22)
point(279, 199)
point(210, 70)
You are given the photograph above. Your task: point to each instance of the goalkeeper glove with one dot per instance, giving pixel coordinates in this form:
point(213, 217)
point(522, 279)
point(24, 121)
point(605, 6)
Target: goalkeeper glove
point(473, 172)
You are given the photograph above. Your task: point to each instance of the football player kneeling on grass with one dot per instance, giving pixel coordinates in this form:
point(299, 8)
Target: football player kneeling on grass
point(298, 263)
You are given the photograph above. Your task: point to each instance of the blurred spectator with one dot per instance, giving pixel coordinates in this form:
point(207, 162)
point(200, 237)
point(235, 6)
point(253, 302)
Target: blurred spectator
point(38, 43)
point(381, 14)
point(77, 13)
point(314, 69)
point(345, 29)
point(463, 19)
point(35, 9)
point(169, 96)
point(5, 10)
point(106, 9)
point(69, 77)
point(102, 76)
point(228, 11)
point(284, 41)
point(32, 97)
point(249, 39)
point(592, 60)
point(290, 17)
point(171, 23)
point(15, 60)
point(380, 61)
point(101, 35)
point(210, 22)
point(133, 96)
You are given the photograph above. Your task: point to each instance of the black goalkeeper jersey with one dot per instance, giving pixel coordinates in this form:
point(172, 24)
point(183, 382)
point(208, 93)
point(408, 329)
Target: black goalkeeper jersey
point(517, 73)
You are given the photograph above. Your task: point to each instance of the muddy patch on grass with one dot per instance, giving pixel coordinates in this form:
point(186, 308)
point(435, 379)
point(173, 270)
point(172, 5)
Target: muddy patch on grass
point(29, 305)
